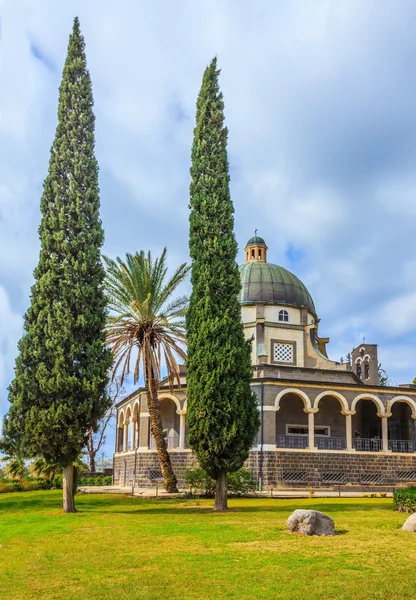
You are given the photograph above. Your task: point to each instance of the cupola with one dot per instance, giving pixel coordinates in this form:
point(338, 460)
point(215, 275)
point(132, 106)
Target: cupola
point(256, 249)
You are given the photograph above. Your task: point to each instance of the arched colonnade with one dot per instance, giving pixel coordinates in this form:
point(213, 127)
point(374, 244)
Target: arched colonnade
point(133, 425)
point(365, 424)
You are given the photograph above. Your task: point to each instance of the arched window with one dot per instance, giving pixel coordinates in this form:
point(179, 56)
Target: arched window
point(283, 315)
point(366, 370)
point(359, 372)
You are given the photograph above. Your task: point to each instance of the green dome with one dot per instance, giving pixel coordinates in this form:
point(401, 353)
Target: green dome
point(256, 240)
point(264, 282)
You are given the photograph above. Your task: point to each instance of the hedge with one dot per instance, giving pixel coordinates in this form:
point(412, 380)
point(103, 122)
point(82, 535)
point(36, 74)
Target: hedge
point(405, 499)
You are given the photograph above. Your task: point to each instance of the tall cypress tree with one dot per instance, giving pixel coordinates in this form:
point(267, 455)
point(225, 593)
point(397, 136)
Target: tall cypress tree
point(222, 413)
point(58, 392)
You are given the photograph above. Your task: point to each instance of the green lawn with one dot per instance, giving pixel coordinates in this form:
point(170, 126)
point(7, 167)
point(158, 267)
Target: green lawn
point(125, 548)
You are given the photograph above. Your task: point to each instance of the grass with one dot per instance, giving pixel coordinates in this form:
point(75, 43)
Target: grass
point(119, 547)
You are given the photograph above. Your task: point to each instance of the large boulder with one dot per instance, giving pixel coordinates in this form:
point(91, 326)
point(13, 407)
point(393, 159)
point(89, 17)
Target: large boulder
point(410, 524)
point(311, 522)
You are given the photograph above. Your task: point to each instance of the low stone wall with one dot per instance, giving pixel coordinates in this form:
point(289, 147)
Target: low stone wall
point(148, 469)
point(325, 469)
point(283, 469)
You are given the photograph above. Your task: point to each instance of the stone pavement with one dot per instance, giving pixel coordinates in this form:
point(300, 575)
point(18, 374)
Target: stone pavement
point(160, 492)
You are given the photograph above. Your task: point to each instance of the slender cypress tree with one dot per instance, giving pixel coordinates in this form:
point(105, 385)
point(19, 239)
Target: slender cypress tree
point(222, 413)
point(58, 392)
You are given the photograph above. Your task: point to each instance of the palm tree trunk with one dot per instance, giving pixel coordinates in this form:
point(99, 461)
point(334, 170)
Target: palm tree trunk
point(153, 404)
point(221, 492)
point(68, 489)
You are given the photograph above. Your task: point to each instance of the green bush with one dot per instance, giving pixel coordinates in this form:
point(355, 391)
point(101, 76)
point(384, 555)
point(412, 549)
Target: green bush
point(199, 482)
point(405, 499)
point(57, 482)
point(241, 482)
point(7, 487)
point(100, 480)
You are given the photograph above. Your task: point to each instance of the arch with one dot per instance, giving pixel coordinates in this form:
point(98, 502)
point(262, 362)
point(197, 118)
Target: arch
point(171, 397)
point(121, 418)
point(358, 359)
point(295, 391)
point(375, 399)
point(342, 400)
point(136, 406)
point(405, 399)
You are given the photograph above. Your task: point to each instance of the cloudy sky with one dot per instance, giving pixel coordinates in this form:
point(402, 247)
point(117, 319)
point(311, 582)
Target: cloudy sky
point(320, 106)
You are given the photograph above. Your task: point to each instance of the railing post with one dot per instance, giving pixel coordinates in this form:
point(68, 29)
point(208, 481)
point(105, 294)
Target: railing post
point(348, 428)
point(311, 426)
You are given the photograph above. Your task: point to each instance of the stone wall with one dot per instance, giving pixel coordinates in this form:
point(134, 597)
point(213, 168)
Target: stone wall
point(284, 469)
point(324, 469)
point(148, 469)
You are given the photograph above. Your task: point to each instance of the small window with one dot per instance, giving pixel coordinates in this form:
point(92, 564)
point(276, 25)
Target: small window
point(359, 372)
point(366, 371)
point(283, 316)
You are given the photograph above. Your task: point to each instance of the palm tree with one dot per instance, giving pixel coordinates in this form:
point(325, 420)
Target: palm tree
point(15, 466)
point(47, 471)
point(145, 322)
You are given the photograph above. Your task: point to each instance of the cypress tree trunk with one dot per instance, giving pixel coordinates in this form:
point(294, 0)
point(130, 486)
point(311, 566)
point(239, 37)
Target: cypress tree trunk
point(153, 404)
point(68, 489)
point(221, 492)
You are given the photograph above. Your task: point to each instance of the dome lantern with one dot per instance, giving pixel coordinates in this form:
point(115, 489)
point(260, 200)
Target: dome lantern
point(256, 249)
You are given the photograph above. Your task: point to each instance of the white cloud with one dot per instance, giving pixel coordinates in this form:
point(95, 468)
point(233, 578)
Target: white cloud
point(398, 316)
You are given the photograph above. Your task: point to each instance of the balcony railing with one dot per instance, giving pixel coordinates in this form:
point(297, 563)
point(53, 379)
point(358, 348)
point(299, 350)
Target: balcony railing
point(402, 445)
point(292, 441)
point(368, 444)
point(172, 441)
point(330, 443)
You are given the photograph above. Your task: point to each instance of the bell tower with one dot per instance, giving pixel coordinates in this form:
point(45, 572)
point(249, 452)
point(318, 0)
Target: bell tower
point(365, 363)
point(256, 249)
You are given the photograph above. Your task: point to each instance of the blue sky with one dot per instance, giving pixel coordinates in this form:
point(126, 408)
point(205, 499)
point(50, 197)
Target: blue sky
point(320, 105)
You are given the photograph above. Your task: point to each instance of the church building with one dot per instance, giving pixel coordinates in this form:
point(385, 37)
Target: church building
point(323, 423)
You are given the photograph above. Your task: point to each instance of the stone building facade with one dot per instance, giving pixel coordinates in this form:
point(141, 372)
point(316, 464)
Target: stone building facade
point(323, 423)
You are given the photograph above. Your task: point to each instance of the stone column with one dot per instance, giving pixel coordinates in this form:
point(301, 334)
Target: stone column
point(125, 434)
point(348, 428)
point(133, 443)
point(181, 414)
point(144, 431)
point(311, 426)
point(385, 430)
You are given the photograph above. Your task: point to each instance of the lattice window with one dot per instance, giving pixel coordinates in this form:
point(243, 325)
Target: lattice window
point(283, 352)
point(295, 477)
point(155, 474)
point(334, 478)
point(371, 478)
point(406, 475)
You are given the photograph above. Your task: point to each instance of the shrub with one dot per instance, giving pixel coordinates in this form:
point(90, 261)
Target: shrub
point(199, 482)
point(241, 482)
point(7, 487)
point(57, 482)
point(100, 480)
point(405, 499)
